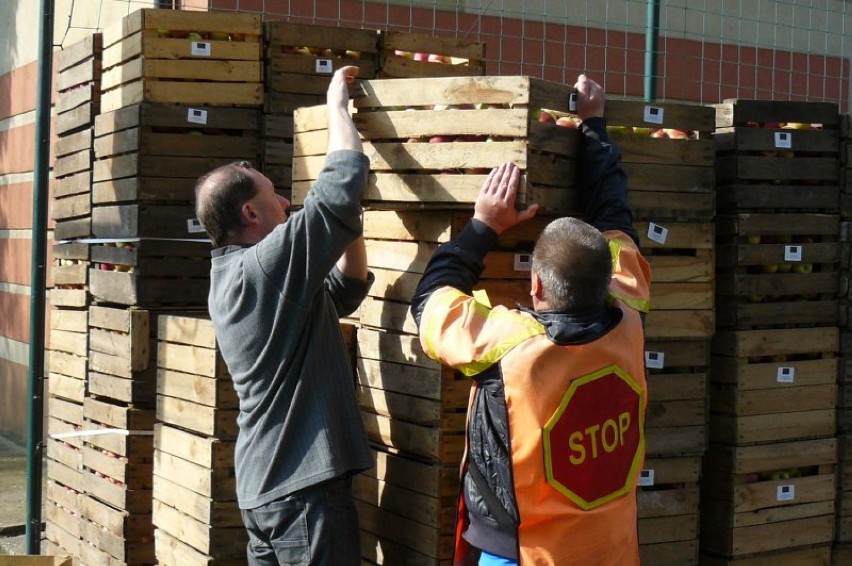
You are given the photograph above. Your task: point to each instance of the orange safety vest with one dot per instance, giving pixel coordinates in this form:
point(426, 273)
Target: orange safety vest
point(576, 417)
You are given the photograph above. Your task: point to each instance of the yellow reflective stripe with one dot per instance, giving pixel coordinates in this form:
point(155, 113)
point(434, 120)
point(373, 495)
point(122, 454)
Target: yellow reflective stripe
point(641, 305)
point(528, 329)
point(441, 299)
point(481, 297)
point(615, 247)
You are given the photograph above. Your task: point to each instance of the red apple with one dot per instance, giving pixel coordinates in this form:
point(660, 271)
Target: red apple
point(238, 36)
point(436, 58)
point(568, 122)
point(545, 115)
point(421, 56)
point(403, 54)
point(676, 134)
point(440, 139)
point(660, 134)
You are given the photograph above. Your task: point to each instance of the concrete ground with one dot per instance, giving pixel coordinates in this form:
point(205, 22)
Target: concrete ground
point(13, 497)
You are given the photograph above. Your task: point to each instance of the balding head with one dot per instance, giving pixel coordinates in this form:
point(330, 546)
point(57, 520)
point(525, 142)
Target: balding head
point(218, 197)
point(574, 263)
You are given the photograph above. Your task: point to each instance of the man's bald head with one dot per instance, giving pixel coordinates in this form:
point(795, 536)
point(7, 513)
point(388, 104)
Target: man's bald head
point(574, 263)
point(218, 197)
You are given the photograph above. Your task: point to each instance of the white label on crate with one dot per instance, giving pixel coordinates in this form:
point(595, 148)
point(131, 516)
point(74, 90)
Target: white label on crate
point(793, 253)
point(654, 114)
point(785, 375)
point(783, 140)
point(523, 262)
point(196, 116)
point(786, 492)
point(646, 478)
point(572, 102)
point(657, 233)
point(655, 360)
point(201, 48)
point(325, 66)
point(193, 226)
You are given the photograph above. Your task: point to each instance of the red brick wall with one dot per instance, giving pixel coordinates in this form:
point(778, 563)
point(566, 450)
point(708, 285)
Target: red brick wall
point(689, 70)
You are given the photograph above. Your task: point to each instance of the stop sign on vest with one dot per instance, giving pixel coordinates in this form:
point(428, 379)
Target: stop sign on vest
point(594, 442)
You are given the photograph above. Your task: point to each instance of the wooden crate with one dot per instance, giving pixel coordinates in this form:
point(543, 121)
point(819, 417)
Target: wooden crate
point(681, 255)
point(77, 83)
point(397, 119)
point(419, 55)
point(777, 155)
point(433, 427)
point(768, 497)
point(120, 351)
point(77, 104)
point(407, 510)
point(816, 555)
point(151, 272)
point(667, 153)
point(675, 421)
point(152, 152)
point(667, 504)
point(182, 57)
point(115, 533)
point(778, 269)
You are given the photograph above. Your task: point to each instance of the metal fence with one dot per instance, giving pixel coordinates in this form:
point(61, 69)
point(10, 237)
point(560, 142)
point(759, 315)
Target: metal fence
point(708, 50)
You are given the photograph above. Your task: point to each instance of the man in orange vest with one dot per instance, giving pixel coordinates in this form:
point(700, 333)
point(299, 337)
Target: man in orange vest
point(555, 434)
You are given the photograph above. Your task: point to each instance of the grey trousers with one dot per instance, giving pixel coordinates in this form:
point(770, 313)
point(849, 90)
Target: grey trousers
point(315, 526)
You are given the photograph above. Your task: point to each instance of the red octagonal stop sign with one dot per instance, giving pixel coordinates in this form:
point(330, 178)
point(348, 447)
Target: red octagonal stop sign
point(594, 441)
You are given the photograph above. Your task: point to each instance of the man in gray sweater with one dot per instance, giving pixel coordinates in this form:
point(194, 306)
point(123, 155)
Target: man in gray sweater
point(278, 288)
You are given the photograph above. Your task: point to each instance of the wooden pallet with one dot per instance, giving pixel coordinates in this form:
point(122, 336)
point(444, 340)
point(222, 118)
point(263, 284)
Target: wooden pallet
point(407, 55)
point(406, 170)
point(122, 536)
point(182, 57)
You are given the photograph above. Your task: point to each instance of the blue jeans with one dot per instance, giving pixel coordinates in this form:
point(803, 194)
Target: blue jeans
point(315, 526)
point(486, 559)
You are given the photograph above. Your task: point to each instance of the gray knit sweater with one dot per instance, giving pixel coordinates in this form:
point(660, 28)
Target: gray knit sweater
point(275, 307)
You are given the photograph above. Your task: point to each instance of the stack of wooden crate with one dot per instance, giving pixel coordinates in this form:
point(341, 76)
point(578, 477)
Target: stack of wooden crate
point(195, 509)
point(299, 62)
point(78, 102)
point(419, 195)
point(78, 87)
point(843, 535)
point(769, 485)
point(668, 154)
point(407, 55)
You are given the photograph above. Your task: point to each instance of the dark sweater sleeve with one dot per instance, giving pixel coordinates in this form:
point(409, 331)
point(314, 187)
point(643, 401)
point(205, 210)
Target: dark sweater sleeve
point(300, 253)
point(603, 181)
point(456, 264)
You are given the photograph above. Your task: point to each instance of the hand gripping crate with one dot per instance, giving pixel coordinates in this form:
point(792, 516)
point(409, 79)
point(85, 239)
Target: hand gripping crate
point(406, 55)
point(183, 57)
point(777, 156)
point(431, 142)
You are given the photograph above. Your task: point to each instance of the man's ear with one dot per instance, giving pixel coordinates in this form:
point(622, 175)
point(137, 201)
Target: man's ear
point(535, 286)
point(248, 213)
